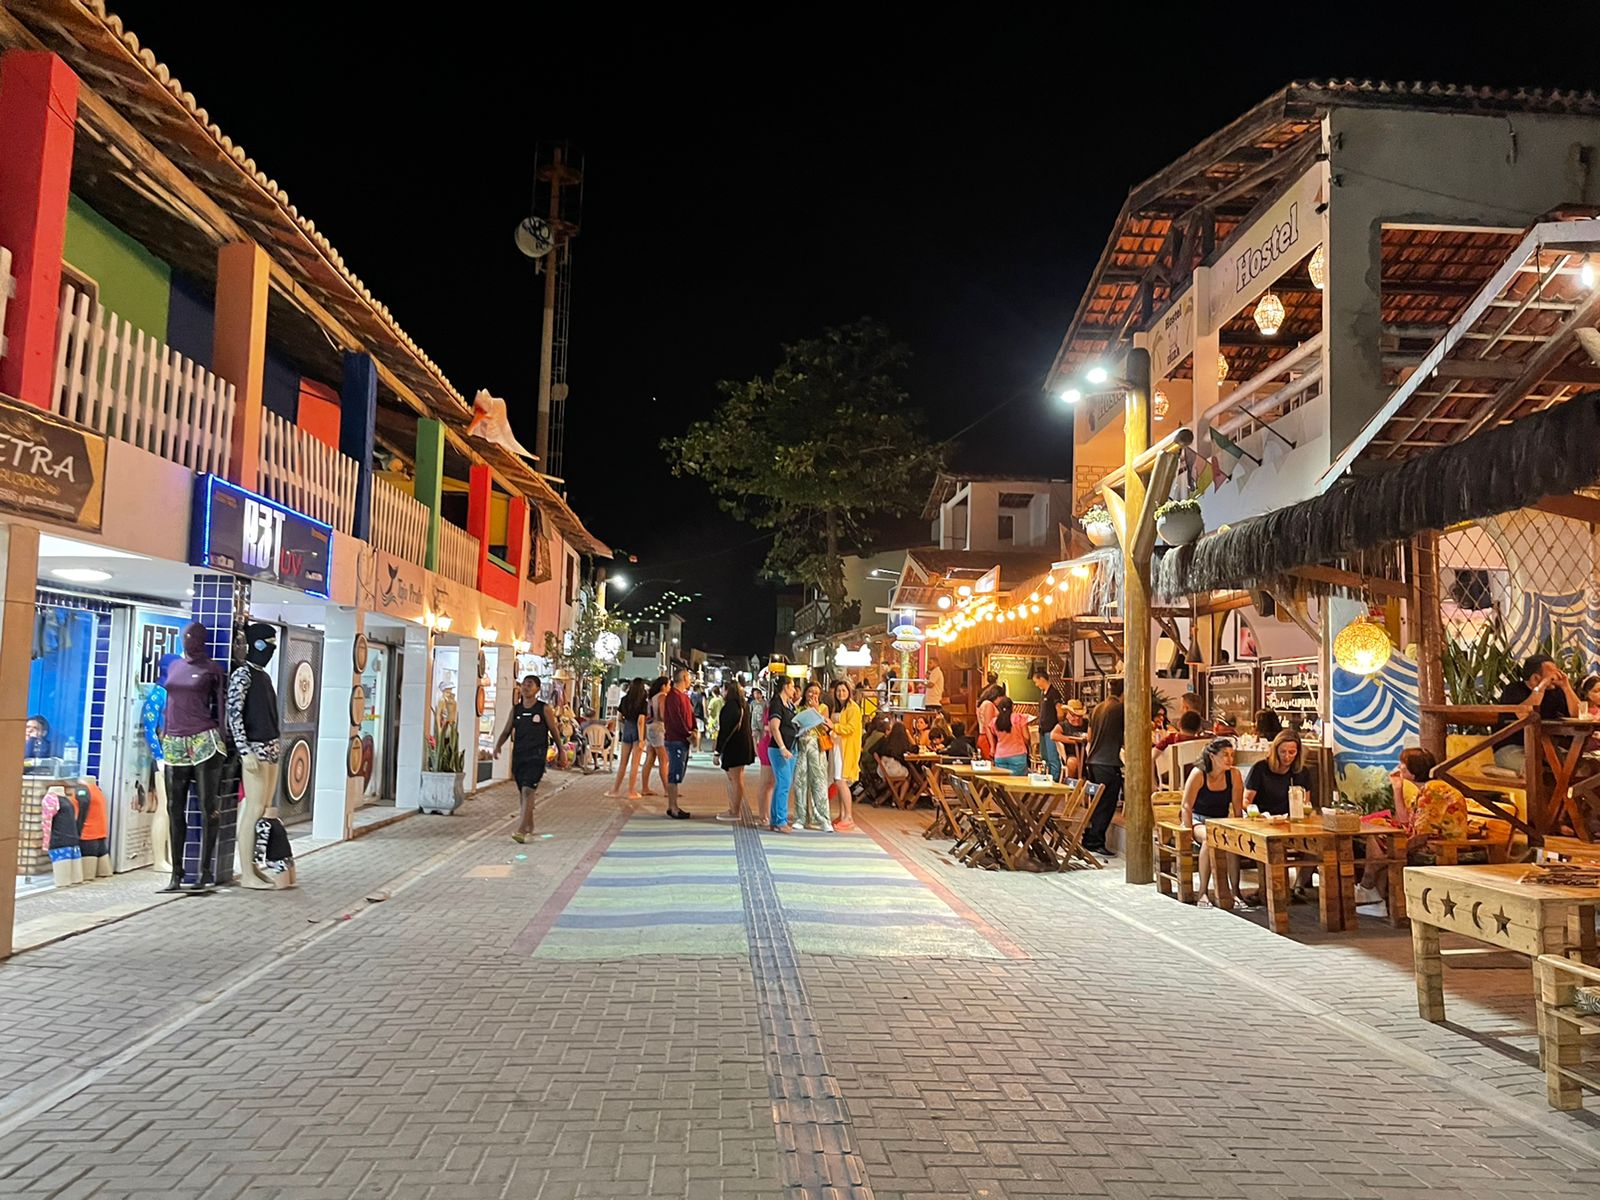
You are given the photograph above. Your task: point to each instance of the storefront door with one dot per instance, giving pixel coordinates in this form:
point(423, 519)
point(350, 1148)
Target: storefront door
point(381, 685)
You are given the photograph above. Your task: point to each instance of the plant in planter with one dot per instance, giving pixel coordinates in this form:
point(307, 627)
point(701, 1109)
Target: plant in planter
point(1098, 527)
point(1180, 521)
point(441, 773)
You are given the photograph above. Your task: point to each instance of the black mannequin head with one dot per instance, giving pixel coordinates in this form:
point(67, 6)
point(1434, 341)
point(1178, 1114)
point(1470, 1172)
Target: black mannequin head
point(260, 643)
point(195, 642)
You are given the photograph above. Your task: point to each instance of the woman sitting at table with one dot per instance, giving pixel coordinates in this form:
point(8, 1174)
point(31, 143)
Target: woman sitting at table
point(1213, 789)
point(1425, 808)
point(1269, 781)
point(939, 735)
point(959, 745)
point(1009, 734)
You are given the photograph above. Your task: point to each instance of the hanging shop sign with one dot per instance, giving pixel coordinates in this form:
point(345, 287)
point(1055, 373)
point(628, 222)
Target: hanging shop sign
point(49, 468)
point(245, 534)
point(1264, 251)
point(843, 656)
point(1293, 687)
point(1172, 339)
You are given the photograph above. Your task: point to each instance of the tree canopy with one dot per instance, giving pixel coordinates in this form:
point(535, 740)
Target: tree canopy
point(815, 450)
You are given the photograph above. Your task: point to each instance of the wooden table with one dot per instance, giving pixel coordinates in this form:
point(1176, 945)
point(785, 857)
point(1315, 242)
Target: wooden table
point(1491, 904)
point(1030, 806)
point(1279, 846)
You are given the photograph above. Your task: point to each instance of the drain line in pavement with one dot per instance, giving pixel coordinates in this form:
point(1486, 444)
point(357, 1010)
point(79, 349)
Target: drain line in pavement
point(1451, 1077)
point(811, 1120)
point(29, 1103)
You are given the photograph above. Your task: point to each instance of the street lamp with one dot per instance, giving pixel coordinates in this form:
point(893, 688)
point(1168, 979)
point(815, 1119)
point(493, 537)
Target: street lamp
point(1134, 516)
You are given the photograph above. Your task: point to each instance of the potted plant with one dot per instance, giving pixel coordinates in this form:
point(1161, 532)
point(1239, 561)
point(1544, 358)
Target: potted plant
point(1179, 522)
point(1097, 525)
point(441, 775)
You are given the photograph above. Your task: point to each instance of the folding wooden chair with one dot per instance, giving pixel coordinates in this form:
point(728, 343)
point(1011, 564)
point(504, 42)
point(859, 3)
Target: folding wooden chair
point(942, 789)
point(1073, 820)
point(901, 788)
point(985, 829)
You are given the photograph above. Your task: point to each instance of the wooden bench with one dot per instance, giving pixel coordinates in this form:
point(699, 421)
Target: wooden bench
point(1569, 1039)
point(1565, 849)
point(1175, 851)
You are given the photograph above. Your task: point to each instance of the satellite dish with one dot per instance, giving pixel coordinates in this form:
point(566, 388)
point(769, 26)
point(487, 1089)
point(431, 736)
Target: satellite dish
point(534, 238)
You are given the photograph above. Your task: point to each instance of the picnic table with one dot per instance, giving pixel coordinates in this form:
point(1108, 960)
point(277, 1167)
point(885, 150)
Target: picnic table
point(1279, 845)
point(1492, 904)
point(1032, 820)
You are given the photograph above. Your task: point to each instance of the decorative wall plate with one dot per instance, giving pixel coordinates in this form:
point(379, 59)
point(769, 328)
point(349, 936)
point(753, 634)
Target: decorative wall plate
point(353, 758)
point(304, 686)
point(297, 771)
point(361, 650)
point(482, 701)
point(358, 705)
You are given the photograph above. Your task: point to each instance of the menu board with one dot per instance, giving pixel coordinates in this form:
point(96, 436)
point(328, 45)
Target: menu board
point(1293, 688)
point(1231, 695)
point(1091, 692)
point(1016, 672)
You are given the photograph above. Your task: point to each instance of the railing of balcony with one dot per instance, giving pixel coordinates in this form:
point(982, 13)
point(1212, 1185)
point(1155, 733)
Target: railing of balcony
point(399, 523)
point(458, 554)
point(306, 474)
point(123, 383)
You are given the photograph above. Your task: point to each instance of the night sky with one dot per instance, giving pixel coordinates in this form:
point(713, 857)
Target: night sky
point(747, 186)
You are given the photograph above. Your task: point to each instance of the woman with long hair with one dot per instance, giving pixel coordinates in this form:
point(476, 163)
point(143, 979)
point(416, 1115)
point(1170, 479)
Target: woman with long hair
point(846, 756)
point(811, 768)
point(1213, 789)
point(655, 734)
point(630, 735)
point(1009, 733)
point(735, 747)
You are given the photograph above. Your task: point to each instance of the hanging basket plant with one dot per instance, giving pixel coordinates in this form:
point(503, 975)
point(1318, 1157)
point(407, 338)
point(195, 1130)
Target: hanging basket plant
point(1097, 526)
point(1180, 522)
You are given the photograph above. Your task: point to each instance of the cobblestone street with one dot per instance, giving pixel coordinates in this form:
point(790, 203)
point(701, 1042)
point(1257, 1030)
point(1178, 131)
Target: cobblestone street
point(634, 1007)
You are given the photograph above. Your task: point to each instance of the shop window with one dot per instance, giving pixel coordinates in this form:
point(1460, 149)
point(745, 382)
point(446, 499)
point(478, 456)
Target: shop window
point(60, 690)
point(1007, 527)
point(572, 578)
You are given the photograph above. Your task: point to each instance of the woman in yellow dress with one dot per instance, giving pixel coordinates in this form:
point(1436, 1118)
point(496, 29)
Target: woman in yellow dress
point(846, 749)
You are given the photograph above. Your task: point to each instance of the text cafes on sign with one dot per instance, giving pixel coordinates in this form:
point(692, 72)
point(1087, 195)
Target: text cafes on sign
point(245, 534)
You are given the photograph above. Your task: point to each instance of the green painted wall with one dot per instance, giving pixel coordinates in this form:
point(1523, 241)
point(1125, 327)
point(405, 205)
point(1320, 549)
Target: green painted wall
point(134, 284)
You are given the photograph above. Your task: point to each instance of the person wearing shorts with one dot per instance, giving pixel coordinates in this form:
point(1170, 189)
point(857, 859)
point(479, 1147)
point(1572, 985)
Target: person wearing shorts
point(529, 733)
point(678, 730)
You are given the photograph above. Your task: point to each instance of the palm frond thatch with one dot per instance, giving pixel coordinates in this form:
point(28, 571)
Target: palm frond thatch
point(1549, 453)
point(1105, 594)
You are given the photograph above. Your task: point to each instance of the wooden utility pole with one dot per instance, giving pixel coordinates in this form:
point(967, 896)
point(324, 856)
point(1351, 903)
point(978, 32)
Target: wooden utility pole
point(1134, 513)
point(547, 334)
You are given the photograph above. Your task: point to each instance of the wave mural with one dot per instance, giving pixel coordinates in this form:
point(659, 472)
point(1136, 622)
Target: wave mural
point(1374, 718)
point(1569, 617)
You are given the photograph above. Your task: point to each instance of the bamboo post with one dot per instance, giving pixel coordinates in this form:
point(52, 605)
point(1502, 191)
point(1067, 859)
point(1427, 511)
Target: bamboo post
point(1430, 639)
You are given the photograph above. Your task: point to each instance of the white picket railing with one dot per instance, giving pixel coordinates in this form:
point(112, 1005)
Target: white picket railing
point(399, 523)
point(458, 554)
point(305, 474)
point(8, 288)
point(123, 383)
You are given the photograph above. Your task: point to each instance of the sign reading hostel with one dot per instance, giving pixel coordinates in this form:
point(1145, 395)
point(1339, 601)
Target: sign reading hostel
point(245, 534)
point(1261, 254)
point(50, 469)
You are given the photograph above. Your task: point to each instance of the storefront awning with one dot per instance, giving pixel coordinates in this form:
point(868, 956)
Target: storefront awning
point(1551, 453)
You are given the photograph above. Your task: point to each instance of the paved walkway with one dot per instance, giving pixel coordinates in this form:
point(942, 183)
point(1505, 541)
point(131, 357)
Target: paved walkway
point(635, 1007)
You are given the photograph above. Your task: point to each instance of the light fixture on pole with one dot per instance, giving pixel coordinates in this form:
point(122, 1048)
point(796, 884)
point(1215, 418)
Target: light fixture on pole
point(1160, 405)
point(1269, 314)
point(1317, 268)
point(1222, 367)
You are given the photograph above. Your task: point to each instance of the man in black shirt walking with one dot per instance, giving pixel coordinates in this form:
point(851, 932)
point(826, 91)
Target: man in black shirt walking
point(1103, 765)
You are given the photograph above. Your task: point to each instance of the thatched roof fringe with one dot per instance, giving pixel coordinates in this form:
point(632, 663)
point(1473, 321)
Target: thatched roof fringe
point(1550, 453)
point(1106, 593)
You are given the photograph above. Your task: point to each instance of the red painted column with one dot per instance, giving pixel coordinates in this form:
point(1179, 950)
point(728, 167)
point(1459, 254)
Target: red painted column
point(479, 483)
point(38, 110)
point(517, 536)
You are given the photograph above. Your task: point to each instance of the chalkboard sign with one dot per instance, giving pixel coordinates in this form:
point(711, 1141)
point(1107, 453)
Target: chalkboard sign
point(1293, 687)
point(1016, 672)
point(1231, 695)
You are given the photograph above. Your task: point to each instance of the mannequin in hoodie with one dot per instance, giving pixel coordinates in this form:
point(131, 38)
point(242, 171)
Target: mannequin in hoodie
point(253, 726)
point(193, 749)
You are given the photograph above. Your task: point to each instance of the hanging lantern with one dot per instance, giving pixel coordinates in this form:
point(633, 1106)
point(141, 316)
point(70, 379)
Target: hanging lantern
point(1269, 314)
point(1318, 268)
point(1362, 647)
point(1222, 367)
point(1161, 406)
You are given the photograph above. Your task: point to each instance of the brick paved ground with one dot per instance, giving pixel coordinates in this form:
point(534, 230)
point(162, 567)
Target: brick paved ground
point(1076, 1038)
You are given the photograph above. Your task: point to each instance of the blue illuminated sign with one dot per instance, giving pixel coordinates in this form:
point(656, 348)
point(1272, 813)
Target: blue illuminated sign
point(245, 534)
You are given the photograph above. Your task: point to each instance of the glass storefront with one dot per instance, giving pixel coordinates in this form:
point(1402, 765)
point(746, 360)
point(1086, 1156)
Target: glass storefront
point(378, 723)
point(488, 661)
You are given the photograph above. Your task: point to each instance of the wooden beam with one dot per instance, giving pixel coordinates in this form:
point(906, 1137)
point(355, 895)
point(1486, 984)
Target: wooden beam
point(1387, 588)
point(1578, 507)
